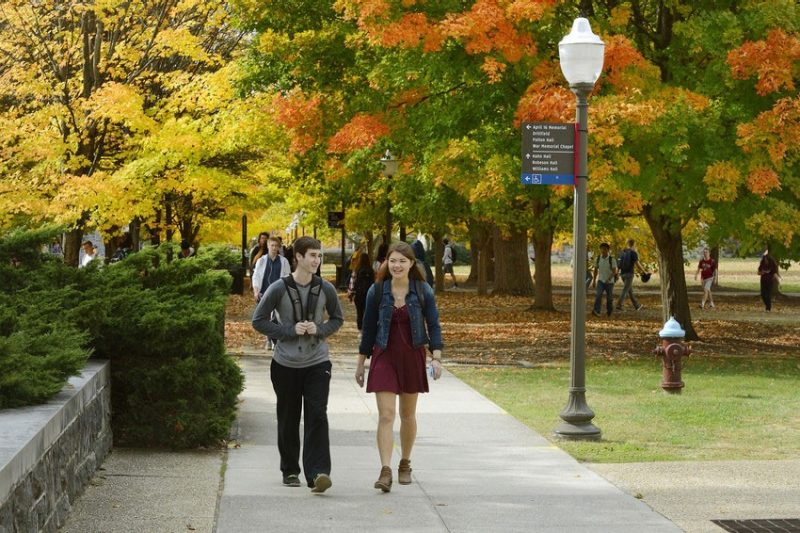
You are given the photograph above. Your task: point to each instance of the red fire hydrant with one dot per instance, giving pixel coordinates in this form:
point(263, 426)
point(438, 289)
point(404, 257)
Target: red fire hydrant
point(671, 350)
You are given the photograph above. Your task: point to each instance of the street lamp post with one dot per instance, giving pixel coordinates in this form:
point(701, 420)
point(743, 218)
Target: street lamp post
point(581, 58)
point(390, 164)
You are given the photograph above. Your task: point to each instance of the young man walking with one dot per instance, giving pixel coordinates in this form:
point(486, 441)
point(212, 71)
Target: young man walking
point(605, 272)
point(447, 262)
point(301, 366)
point(628, 265)
point(269, 268)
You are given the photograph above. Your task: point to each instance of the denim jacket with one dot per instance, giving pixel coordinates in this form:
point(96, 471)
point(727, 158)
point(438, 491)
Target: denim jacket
point(375, 329)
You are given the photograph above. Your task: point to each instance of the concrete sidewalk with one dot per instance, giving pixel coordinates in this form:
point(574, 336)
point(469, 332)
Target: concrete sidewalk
point(475, 469)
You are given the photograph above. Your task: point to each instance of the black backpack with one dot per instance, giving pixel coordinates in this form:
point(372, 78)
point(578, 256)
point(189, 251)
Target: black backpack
point(453, 254)
point(625, 261)
point(297, 303)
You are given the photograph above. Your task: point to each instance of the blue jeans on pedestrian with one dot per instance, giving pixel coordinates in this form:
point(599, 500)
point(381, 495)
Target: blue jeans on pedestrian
point(608, 288)
point(627, 289)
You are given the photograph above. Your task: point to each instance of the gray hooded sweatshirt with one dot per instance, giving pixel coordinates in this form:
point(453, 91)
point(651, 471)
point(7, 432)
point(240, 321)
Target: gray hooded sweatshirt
point(292, 350)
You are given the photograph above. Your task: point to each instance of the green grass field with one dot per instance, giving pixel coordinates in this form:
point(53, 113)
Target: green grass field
point(731, 408)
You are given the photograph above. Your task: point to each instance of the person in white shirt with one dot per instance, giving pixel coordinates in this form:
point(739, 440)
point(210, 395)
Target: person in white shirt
point(605, 274)
point(269, 268)
point(89, 254)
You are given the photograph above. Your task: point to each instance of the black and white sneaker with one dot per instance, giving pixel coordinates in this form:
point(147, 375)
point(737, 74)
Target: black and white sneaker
point(292, 480)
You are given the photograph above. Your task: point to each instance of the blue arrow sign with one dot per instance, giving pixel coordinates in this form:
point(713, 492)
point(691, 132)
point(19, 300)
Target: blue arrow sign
point(547, 179)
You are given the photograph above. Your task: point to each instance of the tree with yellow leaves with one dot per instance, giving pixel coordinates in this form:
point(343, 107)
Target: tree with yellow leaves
point(83, 84)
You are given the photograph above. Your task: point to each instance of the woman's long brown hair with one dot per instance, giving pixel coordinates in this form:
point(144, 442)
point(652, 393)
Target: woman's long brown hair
point(415, 272)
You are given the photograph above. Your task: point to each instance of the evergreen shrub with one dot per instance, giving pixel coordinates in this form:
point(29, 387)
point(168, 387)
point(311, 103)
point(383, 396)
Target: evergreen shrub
point(40, 346)
point(160, 324)
point(173, 385)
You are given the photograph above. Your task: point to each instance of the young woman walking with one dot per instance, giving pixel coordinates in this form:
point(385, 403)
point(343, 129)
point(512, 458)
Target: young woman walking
point(707, 269)
point(400, 319)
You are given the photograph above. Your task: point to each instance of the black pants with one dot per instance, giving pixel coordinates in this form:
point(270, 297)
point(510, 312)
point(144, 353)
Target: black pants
point(766, 291)
point(303, 390)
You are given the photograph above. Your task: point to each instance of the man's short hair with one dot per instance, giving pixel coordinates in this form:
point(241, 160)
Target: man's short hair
point(304, 244)
point(446, 241)
point(90, 243)
point(605, 245)
point(274, 239)
point(631, 242)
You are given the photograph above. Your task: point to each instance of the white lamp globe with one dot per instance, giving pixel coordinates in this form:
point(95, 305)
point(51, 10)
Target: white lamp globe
point(581, 54)
point(390, 164)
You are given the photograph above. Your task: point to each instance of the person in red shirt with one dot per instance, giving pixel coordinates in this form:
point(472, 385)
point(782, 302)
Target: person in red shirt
point(707, 268)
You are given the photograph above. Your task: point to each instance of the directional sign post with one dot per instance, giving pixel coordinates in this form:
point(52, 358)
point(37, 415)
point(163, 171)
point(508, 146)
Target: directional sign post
point(335, 219)
point(548, 154)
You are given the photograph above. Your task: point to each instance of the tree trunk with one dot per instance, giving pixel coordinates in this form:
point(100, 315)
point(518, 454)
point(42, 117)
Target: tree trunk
point(72, 246)
point(480, 241)
point(483, 267)
point(675, 300)
point(543, 285)
point(135, 228)
point(512, 271)
point(473, 261)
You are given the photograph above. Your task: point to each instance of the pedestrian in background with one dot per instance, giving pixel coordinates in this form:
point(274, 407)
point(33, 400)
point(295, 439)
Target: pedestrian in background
point(707, 268)
point(605, 274)
point(448, 261)
point(89, 254)
point(400, 319)
point(628, 265)
point(364, 277)
point(419, 254)
point(768, 270)
point(258, 251)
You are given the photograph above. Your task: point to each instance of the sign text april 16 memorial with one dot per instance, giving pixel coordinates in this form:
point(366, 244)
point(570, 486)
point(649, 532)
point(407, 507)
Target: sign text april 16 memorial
point(548, 153)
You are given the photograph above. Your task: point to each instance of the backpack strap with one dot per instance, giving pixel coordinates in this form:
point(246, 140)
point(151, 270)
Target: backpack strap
point(297, 303)
point(313, 296)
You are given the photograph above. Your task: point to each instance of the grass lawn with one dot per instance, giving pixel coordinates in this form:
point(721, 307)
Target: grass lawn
point(731, 408)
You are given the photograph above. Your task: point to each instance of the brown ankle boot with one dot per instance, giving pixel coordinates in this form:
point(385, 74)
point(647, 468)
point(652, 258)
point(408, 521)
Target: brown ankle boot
point(384, 480)
point(404, 472)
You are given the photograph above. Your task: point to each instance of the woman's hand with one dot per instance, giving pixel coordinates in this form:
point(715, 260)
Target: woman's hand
point(436, 364)
point(360, 375)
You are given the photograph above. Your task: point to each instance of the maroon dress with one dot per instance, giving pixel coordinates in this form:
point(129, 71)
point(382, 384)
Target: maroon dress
point(400, 368)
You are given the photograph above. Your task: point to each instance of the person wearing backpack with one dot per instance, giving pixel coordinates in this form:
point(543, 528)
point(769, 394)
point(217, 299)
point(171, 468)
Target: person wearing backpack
point(448, 260)
point(605, 274)
point(628, 265)
point(400, 319)
point(301, 368)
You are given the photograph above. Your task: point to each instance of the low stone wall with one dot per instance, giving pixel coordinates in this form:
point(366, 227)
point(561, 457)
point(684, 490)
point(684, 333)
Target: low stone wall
point(48, 453)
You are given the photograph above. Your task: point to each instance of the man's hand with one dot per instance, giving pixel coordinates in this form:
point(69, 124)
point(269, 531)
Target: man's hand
point(306, 328)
